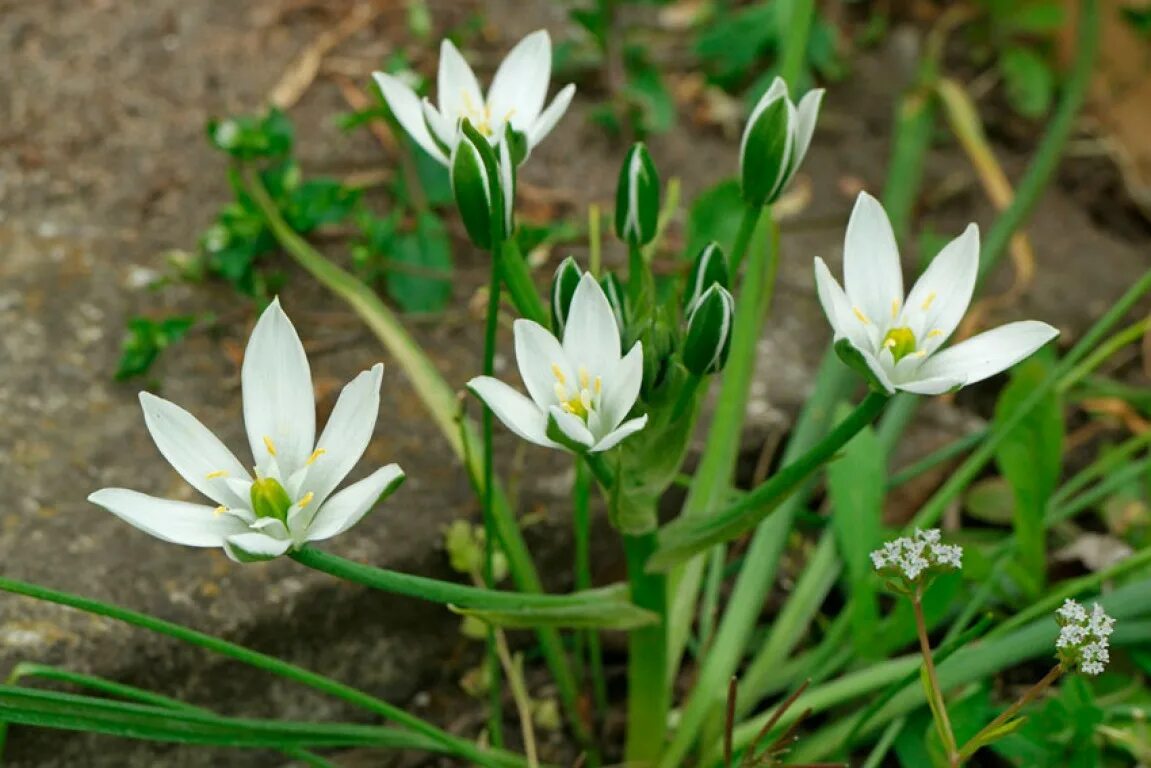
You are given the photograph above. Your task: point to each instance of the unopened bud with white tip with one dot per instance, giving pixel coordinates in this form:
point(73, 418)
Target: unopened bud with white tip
point(775, 141)
point(564, 284)
point(710, 268)
point(637, 198)
point(709, 327)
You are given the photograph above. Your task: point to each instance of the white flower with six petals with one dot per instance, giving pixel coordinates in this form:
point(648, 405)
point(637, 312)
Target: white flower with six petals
point(516, 98)
point(581, 386)
point(900, 339)
point(280, 419)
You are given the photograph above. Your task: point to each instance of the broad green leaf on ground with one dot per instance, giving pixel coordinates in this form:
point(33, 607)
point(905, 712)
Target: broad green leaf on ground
point(420, 267)
point(1029, 80)
point(715, 215)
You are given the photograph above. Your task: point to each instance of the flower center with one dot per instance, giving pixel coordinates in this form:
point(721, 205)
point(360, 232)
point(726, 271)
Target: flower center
point(480, 116)
point(580, 400)
point(900, 341)
point(269, 499)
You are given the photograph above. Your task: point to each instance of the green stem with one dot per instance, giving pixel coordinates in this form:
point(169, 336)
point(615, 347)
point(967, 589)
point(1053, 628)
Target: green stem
point(713, 478)
point(581, 522)
point(747, 225)
point(939, 706)
point(1105, 350)
point(521, 288)
point(432, 590)
point(726, 652)
point(795, 40)
point(128, 693)
point(443, 405)
point(648, 695)
point(461, 747)
point(1031, 694)
point(491, 327)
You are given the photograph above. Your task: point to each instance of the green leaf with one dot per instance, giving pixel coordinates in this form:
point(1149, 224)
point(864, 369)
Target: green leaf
point(1030, 458)
point(317, 202)
point(1029, 81)
point(601, 614)
point(1035, 17)
point(146, 339)
point(247, 137)
point(419, 276)
point(856, 487)
point(991, 501)
point(646, 89)
point(49, 709)
point(730, 45)
point(714, 216)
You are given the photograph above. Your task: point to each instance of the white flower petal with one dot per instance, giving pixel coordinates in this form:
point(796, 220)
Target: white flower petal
point(517, 412)
point(940, 297)
point(458, 91)
point(405, 105)
point(612, 439)
point(572, 426)
point(935, 386)
point(349, 506)
point(988, 353)
point(253, 547)
point(179, 522)
point(806, 113)
point(621, 388)
point(347, 433)
point(538, 355)
point(520, 84)
point(877, 368)
point(591, 336)
point(871, 271)
point(440, 129)
point(198, 455)
point(279, 405)
point(546, 121)
point(838, 308)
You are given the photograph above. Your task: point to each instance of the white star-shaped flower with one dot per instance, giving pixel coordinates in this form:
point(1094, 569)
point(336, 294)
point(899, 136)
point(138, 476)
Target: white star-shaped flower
point(900, 339)
point(516, 98)
point(290, 500)
point(581, 389)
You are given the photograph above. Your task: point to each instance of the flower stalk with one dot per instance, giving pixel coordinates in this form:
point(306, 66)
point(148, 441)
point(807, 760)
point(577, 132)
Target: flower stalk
point(984, 736)
point(938, 705)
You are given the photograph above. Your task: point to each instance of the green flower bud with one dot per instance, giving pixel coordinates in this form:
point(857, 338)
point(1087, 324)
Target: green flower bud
point(637, 198)
point(482, 184)
point(658, 346)
point(269, 499)
point(617, 297)
point(709, 328)
point(710, 269)
point(775, 141)
point(564, 284)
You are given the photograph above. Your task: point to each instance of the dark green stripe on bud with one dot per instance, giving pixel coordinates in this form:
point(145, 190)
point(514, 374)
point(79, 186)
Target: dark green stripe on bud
point(269, 499)
point(637, 198)
point(478, 187)
point(564, 284)
point(709, 328)
point(765, 155)
point(710, 268)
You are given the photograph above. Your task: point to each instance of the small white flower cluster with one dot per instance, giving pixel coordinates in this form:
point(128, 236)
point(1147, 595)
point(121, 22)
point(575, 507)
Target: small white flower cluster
point(911, 556)
point(1084, 638)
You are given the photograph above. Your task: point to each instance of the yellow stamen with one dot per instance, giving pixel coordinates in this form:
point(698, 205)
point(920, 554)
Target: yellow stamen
point(934, 333)
point(219, 510)
point(894, 308)
point(862, 317)
point(269, 445)
point(315, 455)
point(927, 302)
point(306, 499)
point(216, 474)
point(598, 384)
point(583, 377)
point(559, 374)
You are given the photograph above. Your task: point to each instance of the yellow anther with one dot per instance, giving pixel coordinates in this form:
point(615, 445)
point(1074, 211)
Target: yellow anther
point(584, 379)
point(315, 455)
point(269, 445)
point(598, 384)
point(219, 510)
point(927, 302)
point(932, 334)
point(559, 374)
point(306, 499)
point(216, 474)
point(894, 308)
point(862, 317)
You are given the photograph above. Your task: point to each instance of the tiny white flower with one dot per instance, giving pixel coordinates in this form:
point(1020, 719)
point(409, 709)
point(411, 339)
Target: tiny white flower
point(516, 98)
point(1084, 639)
point(900, 339)
point(290, 501)
point(581, 385)
point(911, 556)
